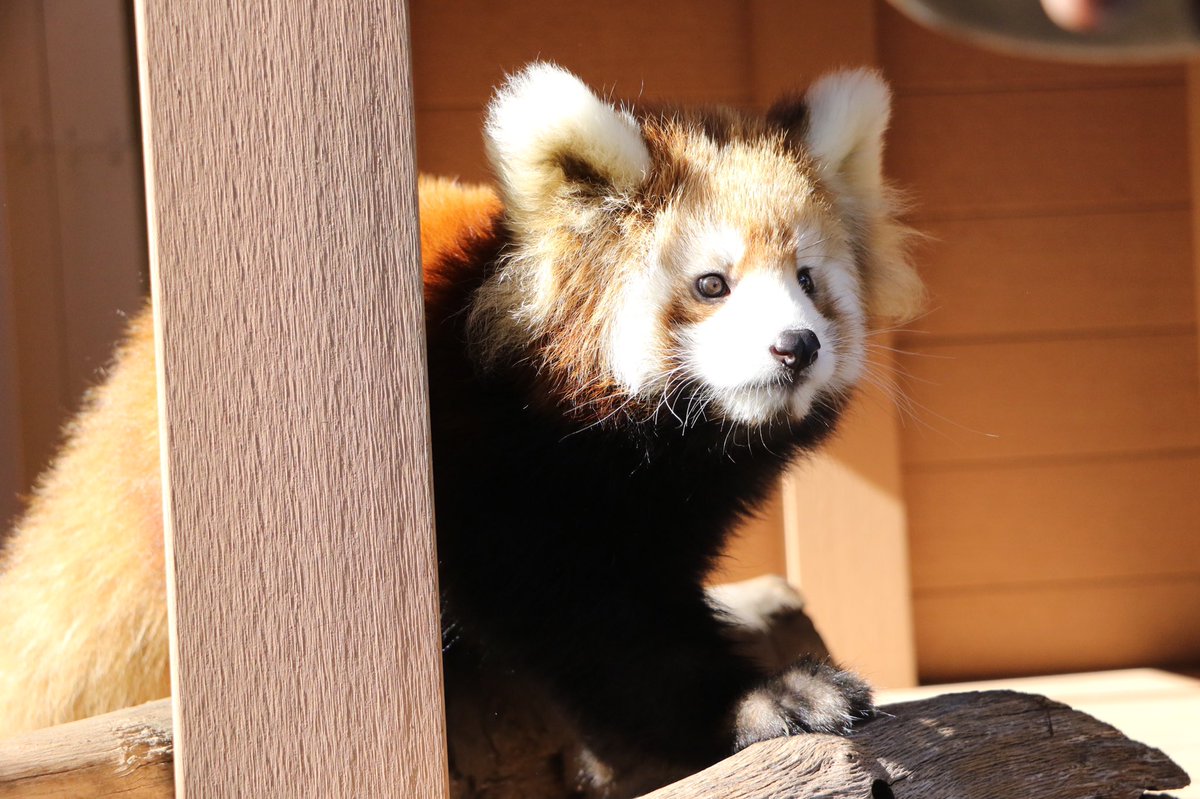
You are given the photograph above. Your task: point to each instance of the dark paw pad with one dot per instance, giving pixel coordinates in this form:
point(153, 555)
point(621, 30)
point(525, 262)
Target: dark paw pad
point(810, 696)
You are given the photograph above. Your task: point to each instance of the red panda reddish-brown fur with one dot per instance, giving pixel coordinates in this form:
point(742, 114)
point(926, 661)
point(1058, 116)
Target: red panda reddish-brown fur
point(656, 311)
point(83, 624)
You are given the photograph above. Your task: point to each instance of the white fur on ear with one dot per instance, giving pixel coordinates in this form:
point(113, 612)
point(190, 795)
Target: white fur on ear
point(543, 114)
point(847, 116)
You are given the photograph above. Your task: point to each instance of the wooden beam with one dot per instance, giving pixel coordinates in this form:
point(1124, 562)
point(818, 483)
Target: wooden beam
point(12, 472)
point(127, 753)
point(33, 251)
point(1193, 136)
point(284, 247)
point(979, 745)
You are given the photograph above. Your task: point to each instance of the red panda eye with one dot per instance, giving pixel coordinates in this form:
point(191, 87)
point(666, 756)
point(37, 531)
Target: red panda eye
point(805, 278)
point(711, 287)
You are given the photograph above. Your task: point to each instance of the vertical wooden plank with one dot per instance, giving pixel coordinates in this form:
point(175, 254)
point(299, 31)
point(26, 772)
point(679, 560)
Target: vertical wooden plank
point(282, 217)
point(12, 475)
point(1193, 134)
point(32, 212)
point(844, 522)
point(98, 180)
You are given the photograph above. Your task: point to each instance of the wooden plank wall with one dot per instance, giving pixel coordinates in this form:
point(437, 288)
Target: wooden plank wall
point(76, 252)
point(12, 453)
point(1051, 463)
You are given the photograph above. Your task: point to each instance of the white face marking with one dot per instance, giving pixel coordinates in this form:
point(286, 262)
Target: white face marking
point(843, 287)
point(636, 338)
point(719, 247)
point(730, 351)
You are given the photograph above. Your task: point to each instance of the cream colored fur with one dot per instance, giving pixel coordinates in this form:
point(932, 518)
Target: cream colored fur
point(544, 113)
point(848, 114)
point(83, 620)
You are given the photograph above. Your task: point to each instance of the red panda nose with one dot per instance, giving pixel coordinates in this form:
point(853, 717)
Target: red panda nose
point(796, 349)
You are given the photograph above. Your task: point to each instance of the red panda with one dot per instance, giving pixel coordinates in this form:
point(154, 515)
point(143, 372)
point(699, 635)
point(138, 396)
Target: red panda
point(658, 310)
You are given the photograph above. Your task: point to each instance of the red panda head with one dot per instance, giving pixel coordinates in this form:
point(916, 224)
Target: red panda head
point(691, 264)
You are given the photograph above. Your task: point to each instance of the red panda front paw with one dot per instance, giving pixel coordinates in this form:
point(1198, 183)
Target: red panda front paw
point(811, 696)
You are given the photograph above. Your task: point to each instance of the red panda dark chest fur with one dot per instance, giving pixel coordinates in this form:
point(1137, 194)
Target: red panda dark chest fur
point(575, 550)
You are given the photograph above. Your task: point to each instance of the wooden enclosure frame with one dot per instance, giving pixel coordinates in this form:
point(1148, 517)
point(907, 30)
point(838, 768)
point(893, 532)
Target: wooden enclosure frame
point(305, 644)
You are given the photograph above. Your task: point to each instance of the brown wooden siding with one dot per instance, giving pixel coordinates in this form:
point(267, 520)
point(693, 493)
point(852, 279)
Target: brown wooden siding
point(1052, 465)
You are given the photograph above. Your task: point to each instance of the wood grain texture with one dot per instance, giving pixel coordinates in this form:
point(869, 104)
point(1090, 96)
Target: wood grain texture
point(1048, 275)
point(675, 50)
point(993, 745)
point(1037, 523)
point(12, 466)
point(977, 743)
point(98, 178)
point(32, 210)
point(1037, 152)
point(1158, 708)
point(1061, 398)
point(1193, 108)
point(1057, 627)
point(292, 399)
point(792, 43)
point(127, 753)
point(920, 60)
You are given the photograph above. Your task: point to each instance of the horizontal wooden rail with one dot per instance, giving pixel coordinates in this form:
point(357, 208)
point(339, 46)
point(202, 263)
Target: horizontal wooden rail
point(127, 753)
point(980, 745)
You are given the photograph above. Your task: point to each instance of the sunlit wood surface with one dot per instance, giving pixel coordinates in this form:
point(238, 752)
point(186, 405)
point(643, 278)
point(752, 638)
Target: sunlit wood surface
point(1159, 708)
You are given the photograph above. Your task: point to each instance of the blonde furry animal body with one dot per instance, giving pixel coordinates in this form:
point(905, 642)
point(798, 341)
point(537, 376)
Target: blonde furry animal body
point(659, 309)
point(83, 622)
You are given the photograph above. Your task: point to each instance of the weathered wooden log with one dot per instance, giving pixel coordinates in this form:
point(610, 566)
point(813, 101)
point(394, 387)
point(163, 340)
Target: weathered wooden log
point(982, 745)
point(127, 753)
point(979, 745)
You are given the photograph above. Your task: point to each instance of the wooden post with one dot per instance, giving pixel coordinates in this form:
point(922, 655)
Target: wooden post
point(12, 474)
point(305, 644)
point(1193, 112)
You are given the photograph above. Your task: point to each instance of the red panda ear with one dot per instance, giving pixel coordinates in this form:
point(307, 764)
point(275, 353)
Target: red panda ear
point(841, 122)
point(545, 129)
point(846, 116)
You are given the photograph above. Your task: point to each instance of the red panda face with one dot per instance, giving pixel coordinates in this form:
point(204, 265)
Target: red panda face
point(748, 306)
point(684, 265)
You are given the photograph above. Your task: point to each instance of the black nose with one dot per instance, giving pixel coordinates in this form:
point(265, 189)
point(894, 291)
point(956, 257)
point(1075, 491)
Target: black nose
point(796, 349)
